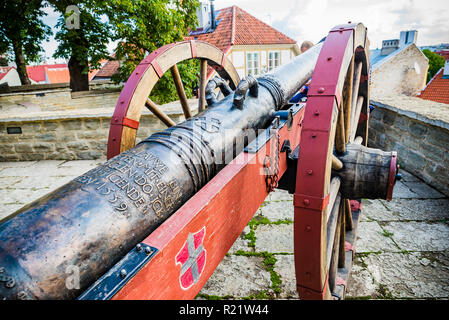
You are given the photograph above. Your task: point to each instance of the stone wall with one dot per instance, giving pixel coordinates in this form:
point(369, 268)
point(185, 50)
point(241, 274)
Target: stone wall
point(75, 138)
point(102, 94)
point(56, 124)
point(422, 143)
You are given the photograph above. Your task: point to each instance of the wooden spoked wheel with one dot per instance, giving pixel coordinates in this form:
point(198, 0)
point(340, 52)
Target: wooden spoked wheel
point(336, 113)
point(135, 94)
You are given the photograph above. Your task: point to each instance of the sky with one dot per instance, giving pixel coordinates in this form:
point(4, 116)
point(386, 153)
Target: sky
point(311, 20)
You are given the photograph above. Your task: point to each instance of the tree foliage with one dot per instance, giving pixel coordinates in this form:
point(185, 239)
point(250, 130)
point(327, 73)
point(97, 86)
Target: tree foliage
point(84, 46)
point(436, 62)
point(142, 26)
point(22, 32)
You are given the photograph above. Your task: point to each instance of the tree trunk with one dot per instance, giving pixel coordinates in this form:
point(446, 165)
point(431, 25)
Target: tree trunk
point(20, 62)
point(78, 80)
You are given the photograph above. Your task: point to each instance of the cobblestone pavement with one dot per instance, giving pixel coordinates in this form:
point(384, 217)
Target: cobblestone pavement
point(402, 250)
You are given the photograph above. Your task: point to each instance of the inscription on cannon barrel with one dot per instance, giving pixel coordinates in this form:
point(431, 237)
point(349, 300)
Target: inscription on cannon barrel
point(134, 180)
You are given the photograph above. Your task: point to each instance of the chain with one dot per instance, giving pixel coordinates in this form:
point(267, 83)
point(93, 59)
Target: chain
point(271, 175)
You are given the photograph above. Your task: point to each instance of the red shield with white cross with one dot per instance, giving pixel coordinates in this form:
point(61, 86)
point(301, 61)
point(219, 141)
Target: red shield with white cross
point(192, 258)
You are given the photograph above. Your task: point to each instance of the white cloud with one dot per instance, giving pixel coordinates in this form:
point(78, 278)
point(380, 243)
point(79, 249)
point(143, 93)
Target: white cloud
point(312, 20)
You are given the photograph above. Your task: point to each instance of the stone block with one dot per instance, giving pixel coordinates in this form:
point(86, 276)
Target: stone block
point(77, 146)
point(72, 124)
point(416, 160)
point(409, 275)
point(417, 129)
point(89, 155)
point(43, 147)
point(420, 235)
point(371, 238)
point(285, 268)
point(51, 125)
point(23, 147)
point(278, 210)
point(92, 124)
point(438, 137)
point(414, 209)
point(389, 117)
point(274, 238)
point(45, 137)
point(238, 277)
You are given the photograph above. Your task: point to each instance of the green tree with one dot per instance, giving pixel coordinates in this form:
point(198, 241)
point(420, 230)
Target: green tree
point(82, 37)
point(142, 26)
point(436, 62)
point(22, 32)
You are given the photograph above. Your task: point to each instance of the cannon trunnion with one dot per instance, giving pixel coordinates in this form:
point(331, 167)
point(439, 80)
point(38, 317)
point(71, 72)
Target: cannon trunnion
point(154, 221)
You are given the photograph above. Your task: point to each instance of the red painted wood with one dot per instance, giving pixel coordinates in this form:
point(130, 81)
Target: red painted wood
point(310, 197)
point(223, 207)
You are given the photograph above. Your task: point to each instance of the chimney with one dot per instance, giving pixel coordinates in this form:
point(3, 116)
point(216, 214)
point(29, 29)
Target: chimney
point(203, 13)
point(446, 70)
point(388, 46)
point(407, 37)
point(213, 24)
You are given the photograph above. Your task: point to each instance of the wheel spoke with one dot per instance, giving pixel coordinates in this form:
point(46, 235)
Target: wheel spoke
point(355, 119)
point(180, 90)
point(355, 94)
point(202, 85)
point(334, 256)
point(340, 139)
point(159, 113)
point(336, 163)
point(333, 192)
point(342, 249)
point(347, 98)
point(331, 229)
point(348, 215)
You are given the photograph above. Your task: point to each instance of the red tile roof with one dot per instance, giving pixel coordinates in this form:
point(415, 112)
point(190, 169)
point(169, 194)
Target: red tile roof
point(109, 68)
point(238, 27)
point(37, 73)
point(437, 89)
point(444, 54)
point(4, 71)
point(58, 75)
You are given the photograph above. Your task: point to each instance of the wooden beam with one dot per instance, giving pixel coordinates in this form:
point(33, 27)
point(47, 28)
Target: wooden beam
point(180, 90)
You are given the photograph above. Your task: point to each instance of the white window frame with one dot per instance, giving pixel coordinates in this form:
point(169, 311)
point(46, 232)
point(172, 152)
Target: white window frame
point(272, 61)
point(253, 63)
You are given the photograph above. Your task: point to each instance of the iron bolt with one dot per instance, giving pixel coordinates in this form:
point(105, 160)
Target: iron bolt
point(306, 202)
point(148, 250)
point(139, 247)
point(123, 273)
point(309, 172)
point(316, 112)
point(308, 228)
point(321, 90)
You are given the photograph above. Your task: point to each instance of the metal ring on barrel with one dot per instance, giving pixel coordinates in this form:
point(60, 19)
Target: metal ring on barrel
point(134, 96)
point(338, 95)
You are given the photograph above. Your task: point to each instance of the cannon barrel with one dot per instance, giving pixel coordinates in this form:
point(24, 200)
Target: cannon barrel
point(84, 227)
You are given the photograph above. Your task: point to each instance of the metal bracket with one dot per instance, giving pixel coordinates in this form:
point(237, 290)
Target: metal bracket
point(281, 118)
point(123, 271)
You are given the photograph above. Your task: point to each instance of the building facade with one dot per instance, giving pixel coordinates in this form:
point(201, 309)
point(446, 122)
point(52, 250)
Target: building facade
point(253, 46)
